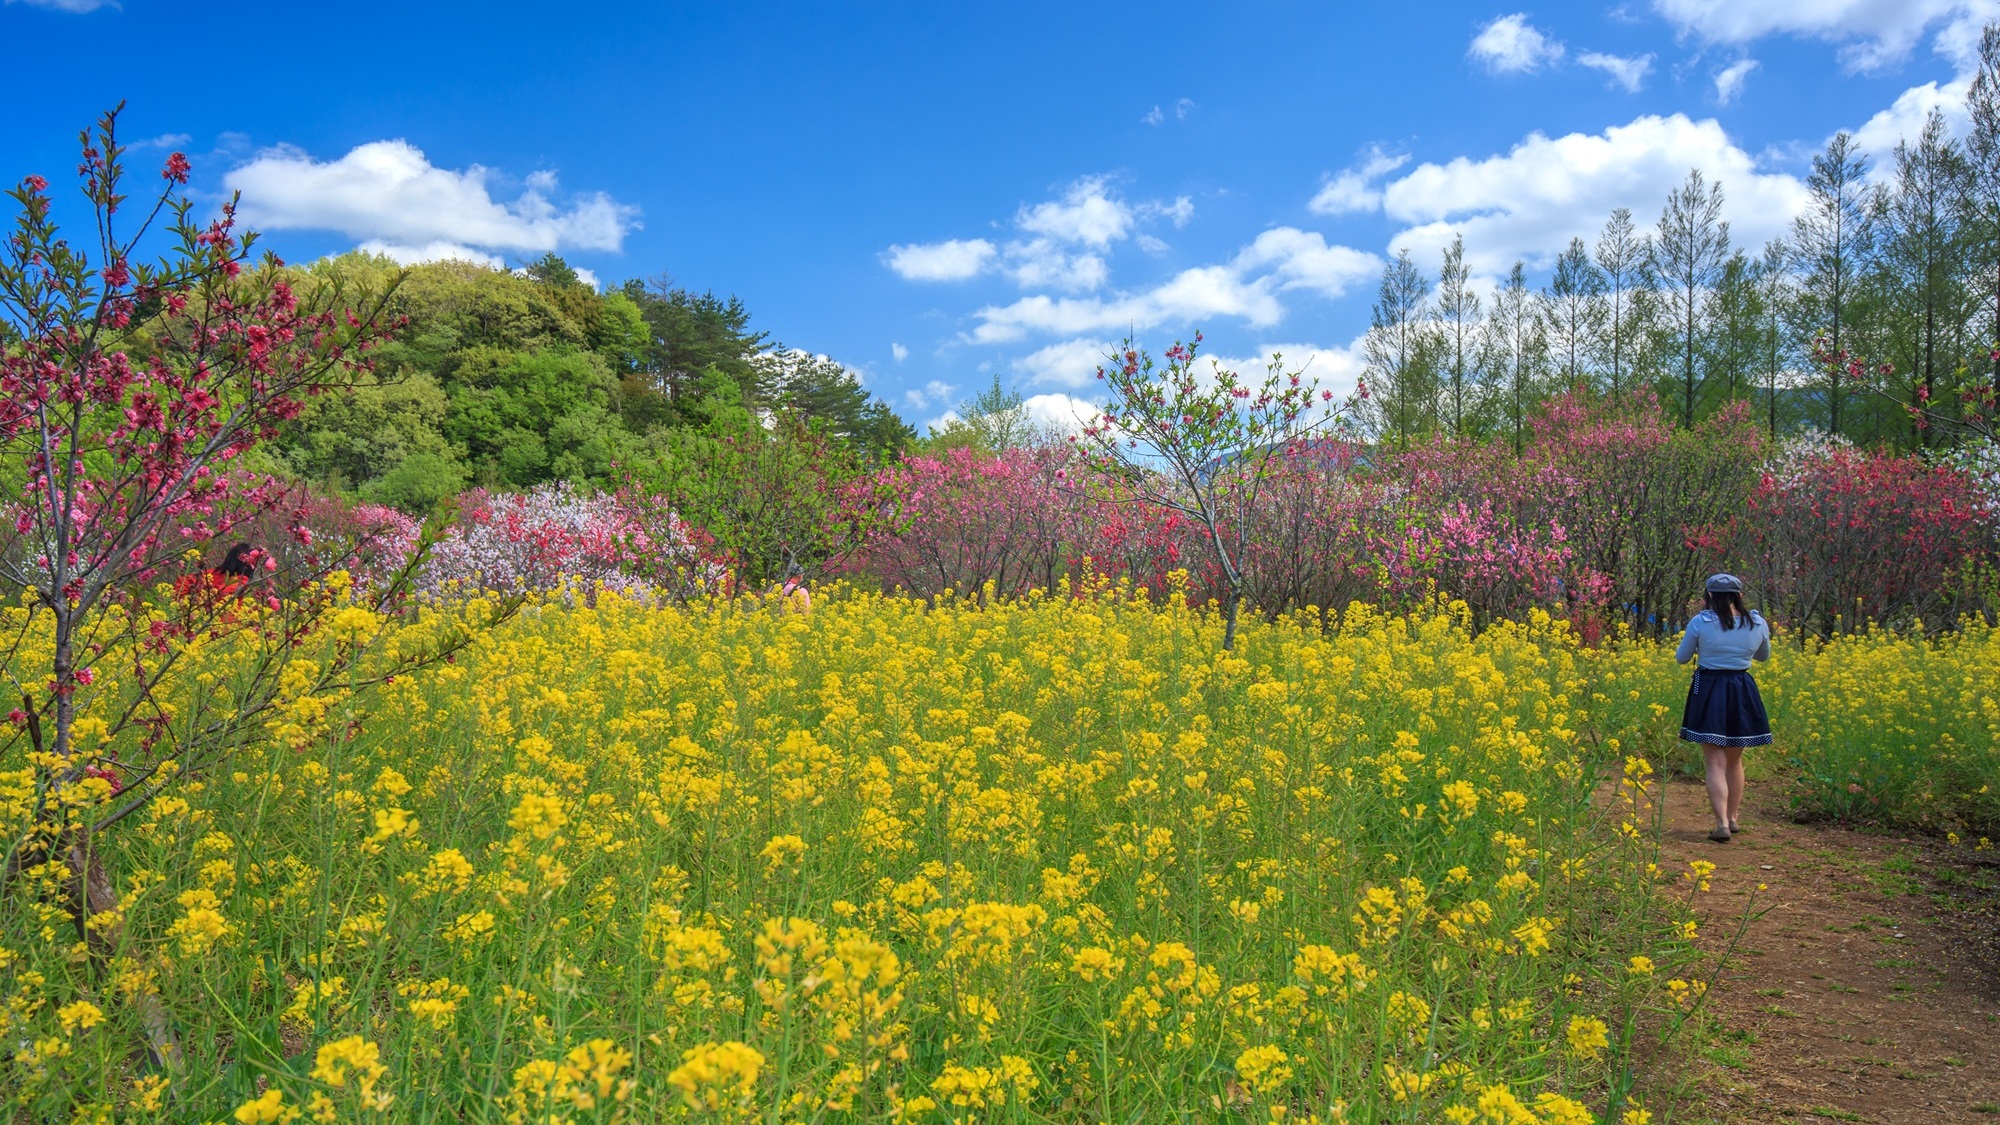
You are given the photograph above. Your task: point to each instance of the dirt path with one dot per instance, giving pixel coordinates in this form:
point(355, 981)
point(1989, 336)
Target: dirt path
point(1870, 989)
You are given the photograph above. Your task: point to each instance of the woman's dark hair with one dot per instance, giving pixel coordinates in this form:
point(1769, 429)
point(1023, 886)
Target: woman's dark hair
point(237, 564)
point(1728, 608)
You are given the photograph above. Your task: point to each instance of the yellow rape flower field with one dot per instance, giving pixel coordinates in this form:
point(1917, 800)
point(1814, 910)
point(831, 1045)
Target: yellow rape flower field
point(1056, 860)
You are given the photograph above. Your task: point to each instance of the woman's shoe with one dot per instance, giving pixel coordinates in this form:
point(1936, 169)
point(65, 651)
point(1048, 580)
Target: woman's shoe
point(1720, 835)
point(1735, 828)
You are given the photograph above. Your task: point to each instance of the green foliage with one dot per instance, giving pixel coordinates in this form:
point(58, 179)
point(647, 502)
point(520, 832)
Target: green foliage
point(510, 380)
point(769, 495)
point(996, 419)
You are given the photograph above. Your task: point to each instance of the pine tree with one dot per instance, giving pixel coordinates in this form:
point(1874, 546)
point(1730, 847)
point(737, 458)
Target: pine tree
point(1457, 311)
point(1689, 254)
point(1923, 228)
point(1400, 354)
point(1735, 340)
point(1622, 253)
point(1572, 312)
point(1982, 143)
point(1772, 283)
point(1831, 244)
point(1514, 352)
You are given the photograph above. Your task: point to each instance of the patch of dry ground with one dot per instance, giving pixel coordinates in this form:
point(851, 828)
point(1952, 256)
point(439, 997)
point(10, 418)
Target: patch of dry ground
point(1868, 990)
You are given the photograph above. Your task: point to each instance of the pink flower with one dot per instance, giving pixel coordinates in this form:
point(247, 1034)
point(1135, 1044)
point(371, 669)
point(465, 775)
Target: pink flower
point(86, 676)
point(176, 169)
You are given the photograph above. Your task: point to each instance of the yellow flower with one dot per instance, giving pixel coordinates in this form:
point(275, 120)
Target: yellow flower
point(1338, 975)
point(1408, 1012)
point(782, 851)
point(1559, 1110)
point(538, 815)
point(716, 1074)
point(267, 1109)
point(1588, 1036)
point(1095, 964)
point(351, 1058)
point(80, 1016)
point(1265, 1070)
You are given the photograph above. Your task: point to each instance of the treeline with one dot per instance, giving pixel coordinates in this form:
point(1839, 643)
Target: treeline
point(507, 380)
point(1900, 273)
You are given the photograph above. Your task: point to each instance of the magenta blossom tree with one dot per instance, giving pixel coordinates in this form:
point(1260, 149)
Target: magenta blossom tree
point(131, 392)
point(1202, 445)
point(134, 387)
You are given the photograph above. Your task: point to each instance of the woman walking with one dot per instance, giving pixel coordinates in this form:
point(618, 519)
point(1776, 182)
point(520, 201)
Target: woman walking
point(1724, 712)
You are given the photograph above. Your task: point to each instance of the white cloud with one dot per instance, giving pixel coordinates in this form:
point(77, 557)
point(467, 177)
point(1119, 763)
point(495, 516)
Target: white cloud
point(1182, 108)
point(899, 352)
point(954, 260)
point(1063, 413)
point(1039, 263)
point(1872, 33)
point(1181, 210)
point(588, 277)
point(1337, 368)
point(1628, 73)
point(1301, 259)
point(1246, 288)
point(1086, 213)
point(1151, 245)
point(1354, 189)
point(1904, 119)
point(1072, 363)
point(388, 192)
point(1512, 45)
point(930, 394)
point(1153, 117)
point(1729, 80)
point(76, 6)
point(430, 252)
point(1190, 296)
point(1529, 202)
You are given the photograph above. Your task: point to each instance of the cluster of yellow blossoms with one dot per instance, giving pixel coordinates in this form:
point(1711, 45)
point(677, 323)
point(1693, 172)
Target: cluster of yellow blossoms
point(1061, 859)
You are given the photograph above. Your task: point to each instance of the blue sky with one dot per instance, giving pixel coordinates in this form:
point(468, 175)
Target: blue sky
point(935, 194)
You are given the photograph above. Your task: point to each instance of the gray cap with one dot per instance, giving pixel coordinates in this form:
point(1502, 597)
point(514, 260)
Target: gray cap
point(1724, 584)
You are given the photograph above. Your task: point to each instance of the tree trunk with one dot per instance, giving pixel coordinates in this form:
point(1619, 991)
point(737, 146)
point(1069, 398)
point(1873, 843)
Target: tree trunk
point(1231, 601)
point(92, 895)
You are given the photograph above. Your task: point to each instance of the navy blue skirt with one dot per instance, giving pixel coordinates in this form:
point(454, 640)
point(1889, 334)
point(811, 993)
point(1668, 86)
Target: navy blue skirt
point(1724, 709)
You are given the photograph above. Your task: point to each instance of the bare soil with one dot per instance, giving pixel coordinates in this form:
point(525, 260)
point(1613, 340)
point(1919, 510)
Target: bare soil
point(1866, 990)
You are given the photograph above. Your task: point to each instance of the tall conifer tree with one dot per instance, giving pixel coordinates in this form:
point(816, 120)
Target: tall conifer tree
point(1688, 255)
point(1831, 244)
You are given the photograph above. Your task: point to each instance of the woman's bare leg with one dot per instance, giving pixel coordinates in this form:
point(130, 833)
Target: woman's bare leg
point(1718, 778)
point(1735, 784)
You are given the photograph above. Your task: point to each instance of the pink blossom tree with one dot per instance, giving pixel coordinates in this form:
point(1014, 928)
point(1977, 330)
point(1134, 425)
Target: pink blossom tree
point(129, 396)
point(1201, 445)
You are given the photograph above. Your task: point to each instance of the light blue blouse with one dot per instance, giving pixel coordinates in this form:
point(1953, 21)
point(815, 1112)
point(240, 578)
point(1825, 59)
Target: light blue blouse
point(1725, 650)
